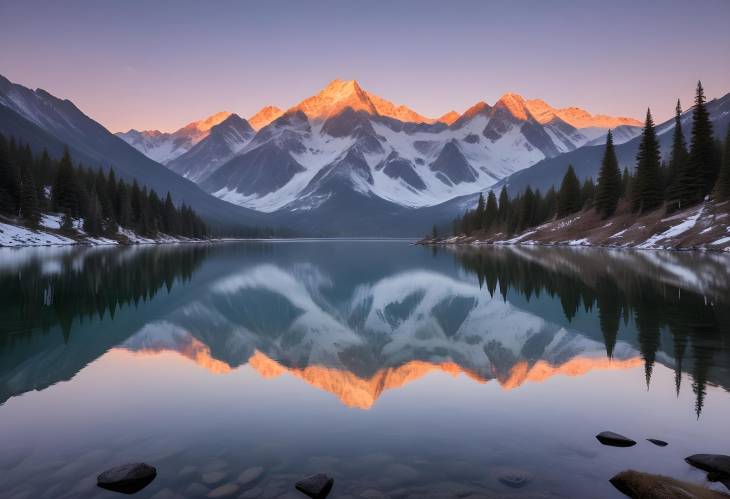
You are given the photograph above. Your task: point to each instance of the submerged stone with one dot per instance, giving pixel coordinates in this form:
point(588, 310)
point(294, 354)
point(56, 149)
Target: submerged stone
point(514, 478)
point(316, 486)
point(226, 490)
point(614, 439)
point(127, 478)
point(250, 475)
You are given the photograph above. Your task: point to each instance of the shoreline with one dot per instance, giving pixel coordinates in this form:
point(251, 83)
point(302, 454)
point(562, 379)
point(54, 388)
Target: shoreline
point(703, 228)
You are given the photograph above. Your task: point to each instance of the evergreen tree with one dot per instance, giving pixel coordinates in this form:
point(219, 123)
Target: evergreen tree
point(647, 190)
point(93, 216)
point(626, 184)
point(29, 195)
point(551, 203)
point(702, 157)
point(609, 181)
point(9, 180)
point(587, 194)
point(66, 194)
point(504, 206)
point(569, 199)
point(722, 189)
point(170, 219)
point(491, 212)
point(479, 215)
point(124, 205)
point(677, 173)
point(528, 208)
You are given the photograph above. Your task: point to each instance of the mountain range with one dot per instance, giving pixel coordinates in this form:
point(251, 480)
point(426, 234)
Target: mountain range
point(347, 139)
point(343, 161)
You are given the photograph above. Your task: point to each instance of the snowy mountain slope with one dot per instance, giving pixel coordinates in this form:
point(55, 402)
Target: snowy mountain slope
point(163, 147)
point(344, 138)
point(223, 142)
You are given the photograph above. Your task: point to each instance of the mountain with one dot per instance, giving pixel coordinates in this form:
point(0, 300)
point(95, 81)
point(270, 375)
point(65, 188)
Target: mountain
point(345, 154)
point(45, 121)
point(164, 147)
point(264, 116)
point(223, 142)
point(586, 160)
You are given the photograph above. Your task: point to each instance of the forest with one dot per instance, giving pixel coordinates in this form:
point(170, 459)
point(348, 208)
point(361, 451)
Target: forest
point(689, 175)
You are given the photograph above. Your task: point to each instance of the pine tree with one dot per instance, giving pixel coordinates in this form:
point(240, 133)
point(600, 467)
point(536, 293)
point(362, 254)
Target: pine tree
point(609, 181)
point(170, 222)
point(29, 195)
point(93, 224)
point(528, 208)
point(551, 203)
point(66, 196)
point(722, 189)
point(569, 199)
point(626, 183)
point(647, 191)
point(479, 215)
point(9, 180)
point(504, 206)
point(491, 212)
point(677, 171)
point(587, 194)
point(702, 157)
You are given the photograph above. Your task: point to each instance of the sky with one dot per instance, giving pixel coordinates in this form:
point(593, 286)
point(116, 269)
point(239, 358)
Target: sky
point(161, 64)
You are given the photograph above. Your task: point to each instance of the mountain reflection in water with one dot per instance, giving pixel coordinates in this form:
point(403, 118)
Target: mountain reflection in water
point(513, 315)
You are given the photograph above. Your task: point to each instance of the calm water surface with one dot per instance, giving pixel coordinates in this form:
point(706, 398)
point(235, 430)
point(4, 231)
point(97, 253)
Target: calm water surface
point(394, 368)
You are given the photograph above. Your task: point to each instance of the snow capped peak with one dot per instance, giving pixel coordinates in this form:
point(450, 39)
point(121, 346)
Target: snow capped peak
point(205, 124)
point(264, 116)
point(341, 94)
point(541, 110)
point(335, 97)
point(399, 112)
point(448, 118)
point(515, 104)
point(581, 118)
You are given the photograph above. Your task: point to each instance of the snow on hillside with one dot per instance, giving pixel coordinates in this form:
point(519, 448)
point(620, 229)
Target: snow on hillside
point(704, 227)
point(49, 234)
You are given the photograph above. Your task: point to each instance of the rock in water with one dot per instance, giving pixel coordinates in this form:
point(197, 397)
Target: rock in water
point(315, 486)
point(717, 463)
point(250, 475)
point(656, 441)
point(127, 478)
point(614, 439)
point(647, 486)
point(514, 478)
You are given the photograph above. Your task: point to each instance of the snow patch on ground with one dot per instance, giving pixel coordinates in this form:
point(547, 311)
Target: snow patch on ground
point(673, 231)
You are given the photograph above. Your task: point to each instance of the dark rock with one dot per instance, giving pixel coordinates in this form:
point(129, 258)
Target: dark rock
point(127, 478)
point(514, 478)
point(717, 463)
point(656, 441)
point(316, 486)
point(614, 439)
point(640, 485)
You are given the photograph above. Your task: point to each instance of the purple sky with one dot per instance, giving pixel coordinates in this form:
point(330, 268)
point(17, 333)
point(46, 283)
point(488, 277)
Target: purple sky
point(161, 64)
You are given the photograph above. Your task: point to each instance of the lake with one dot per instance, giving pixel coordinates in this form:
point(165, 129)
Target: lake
point(402, 371)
